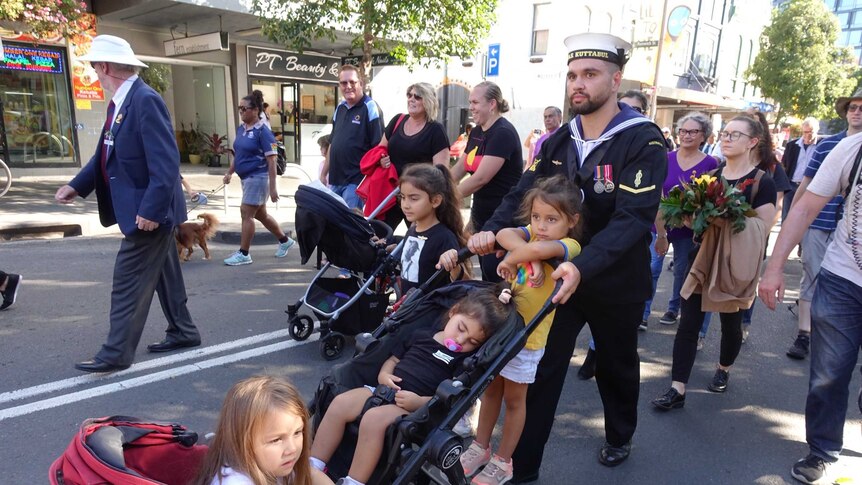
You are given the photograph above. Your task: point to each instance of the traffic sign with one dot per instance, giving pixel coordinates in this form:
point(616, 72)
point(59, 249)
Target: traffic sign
point(493, 66)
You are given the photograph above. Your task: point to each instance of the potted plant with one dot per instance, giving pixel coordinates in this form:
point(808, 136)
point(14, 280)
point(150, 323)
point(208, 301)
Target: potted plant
point(215, 146)
point(193, 142)
point(44, 18)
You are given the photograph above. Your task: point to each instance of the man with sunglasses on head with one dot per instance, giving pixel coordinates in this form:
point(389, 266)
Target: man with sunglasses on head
point(356, 128)
point(820, 233)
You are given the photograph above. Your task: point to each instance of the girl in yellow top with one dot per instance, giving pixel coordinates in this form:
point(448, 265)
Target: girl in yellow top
point(553, 210)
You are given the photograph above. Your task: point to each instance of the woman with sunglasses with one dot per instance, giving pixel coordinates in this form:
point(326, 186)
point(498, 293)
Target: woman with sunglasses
point(740, 140)
point(414, 137)
point(254, 162)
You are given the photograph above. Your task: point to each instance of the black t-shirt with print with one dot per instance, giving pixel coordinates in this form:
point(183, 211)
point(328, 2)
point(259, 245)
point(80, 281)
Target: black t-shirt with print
point(424, 363)
point(501, 140)
point(417, 148)
point(421, 253)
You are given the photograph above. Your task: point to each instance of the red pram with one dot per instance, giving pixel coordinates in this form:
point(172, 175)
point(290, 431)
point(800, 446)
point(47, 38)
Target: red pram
point(128, 451)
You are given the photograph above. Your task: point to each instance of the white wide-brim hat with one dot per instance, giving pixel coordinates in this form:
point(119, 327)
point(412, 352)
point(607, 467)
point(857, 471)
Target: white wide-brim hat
point(109, 48)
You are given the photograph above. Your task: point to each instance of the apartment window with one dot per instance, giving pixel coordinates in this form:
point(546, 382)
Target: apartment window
point(541, 27)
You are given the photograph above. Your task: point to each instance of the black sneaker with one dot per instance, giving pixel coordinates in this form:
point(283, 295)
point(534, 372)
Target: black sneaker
point(811, 469)
point(719, 381)
point(799, 349)
point(669, 318)
point(11, 291)
point(643, 325)
point(671, 399)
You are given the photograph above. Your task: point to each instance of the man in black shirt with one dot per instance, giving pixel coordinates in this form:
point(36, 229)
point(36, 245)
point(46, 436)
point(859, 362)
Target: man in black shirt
point(619, 159)
point(356, 128)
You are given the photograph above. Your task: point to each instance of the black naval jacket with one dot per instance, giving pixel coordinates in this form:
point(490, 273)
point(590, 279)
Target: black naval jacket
point(618, 213)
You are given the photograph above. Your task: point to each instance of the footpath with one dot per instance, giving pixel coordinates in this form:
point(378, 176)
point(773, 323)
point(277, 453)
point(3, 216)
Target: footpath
point(29, 210)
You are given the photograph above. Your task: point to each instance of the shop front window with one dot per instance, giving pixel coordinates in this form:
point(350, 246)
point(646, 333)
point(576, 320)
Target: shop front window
point(36, 109)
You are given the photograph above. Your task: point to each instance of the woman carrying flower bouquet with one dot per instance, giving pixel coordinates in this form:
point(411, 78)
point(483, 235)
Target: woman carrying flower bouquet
point(683, 165)
point(738, 140)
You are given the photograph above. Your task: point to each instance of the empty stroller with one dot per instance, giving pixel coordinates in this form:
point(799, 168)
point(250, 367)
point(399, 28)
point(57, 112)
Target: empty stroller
point(121, 449)
point(421, 446)
point(344, 305)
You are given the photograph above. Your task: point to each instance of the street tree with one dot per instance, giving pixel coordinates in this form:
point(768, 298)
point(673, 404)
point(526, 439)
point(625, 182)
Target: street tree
point(413, 31)
point(799, 66)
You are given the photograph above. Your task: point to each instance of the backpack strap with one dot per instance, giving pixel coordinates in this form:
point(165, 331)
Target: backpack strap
point(854, 173)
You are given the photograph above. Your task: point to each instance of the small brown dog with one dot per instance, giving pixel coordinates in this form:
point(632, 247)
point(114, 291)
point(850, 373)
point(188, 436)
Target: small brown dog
point(190, 233)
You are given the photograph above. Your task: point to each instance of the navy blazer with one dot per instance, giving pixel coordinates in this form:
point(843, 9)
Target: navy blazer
point(143, 166)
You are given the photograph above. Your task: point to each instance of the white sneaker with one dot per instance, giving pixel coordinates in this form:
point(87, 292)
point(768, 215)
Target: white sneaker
point(284, 247)
point(238, 259)
point(466, 426)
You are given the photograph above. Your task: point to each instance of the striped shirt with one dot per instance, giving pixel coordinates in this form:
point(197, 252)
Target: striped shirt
point(827, 220)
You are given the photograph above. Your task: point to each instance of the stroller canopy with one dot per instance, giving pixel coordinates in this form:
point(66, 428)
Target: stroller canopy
point(325, 222)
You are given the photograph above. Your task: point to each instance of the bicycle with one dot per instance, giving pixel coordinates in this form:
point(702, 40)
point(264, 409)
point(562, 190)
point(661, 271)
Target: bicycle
point(5, 178)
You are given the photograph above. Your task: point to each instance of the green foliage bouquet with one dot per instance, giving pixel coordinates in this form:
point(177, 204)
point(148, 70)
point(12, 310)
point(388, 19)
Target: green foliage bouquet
point(707, 197)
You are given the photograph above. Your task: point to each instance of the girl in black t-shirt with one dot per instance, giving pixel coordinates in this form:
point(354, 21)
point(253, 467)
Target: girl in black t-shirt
point(414, 371)
point(414, 137)
point(430, 205)
point(494, 160)
point(739, 138)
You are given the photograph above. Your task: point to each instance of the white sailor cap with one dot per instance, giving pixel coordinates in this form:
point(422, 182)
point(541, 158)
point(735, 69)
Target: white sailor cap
point(605, 47)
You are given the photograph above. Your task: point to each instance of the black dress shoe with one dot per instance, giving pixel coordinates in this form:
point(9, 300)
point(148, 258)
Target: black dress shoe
point(168, 345)
point(614, 455)
point(96, 365)
point(671, 399)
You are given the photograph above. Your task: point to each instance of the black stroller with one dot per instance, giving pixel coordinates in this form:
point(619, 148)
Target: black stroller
point(421, 447)
point(344, 305)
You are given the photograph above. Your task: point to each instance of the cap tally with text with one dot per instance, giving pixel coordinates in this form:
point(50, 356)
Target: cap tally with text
point(604, 47)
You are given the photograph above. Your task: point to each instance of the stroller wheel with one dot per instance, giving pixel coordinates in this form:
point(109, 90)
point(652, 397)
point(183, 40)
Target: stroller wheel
point(300, 327)
point(332, 346)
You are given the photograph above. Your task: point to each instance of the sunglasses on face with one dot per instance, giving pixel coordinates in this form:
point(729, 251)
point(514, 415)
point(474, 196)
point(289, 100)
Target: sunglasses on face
point(638, 109)
point(414, 96)
point(243, 109)
point(348, 83)
point(851, 108)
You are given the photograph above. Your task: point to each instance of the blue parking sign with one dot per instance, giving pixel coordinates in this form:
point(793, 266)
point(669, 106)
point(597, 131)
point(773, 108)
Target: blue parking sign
point(493, 66)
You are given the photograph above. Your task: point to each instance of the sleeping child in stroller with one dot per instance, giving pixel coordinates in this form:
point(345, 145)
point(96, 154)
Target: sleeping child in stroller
point(411, 375)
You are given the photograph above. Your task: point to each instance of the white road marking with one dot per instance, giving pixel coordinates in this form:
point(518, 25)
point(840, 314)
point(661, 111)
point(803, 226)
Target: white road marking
point(143, 366)
point(148, 379)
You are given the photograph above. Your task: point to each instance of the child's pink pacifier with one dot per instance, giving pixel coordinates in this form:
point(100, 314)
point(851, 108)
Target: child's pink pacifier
point(453, 345)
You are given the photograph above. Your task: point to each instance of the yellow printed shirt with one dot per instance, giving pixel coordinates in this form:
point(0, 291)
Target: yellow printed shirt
point(529, 300)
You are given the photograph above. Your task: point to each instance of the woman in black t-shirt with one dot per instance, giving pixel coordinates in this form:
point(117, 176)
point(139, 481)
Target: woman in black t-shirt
point(738, 140)
point(494, 160)
point(414, 137)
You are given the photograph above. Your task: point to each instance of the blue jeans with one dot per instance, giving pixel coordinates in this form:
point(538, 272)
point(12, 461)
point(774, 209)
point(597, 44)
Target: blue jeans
point(348, 193)
point(681, 250)
point(836, 336)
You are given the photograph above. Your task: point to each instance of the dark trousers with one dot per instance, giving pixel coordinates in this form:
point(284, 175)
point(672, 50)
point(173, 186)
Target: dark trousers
point(685, 343)
point(147, 262)
point(614, 328)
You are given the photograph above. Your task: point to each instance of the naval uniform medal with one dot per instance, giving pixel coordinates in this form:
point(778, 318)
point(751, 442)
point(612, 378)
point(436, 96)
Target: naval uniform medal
point(604, 179)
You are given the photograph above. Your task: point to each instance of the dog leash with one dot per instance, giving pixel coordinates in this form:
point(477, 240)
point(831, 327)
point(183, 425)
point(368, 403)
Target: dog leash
point(200, 198)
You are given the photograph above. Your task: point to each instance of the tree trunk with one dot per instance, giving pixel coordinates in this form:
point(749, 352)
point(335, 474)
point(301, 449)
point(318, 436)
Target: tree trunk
point(367, 44)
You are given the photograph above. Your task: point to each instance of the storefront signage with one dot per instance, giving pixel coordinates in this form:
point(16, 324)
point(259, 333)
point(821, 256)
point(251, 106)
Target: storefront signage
point(291, 65)
point(214, 41)
point(32, 59)
point(85, 82)
point(377, 60)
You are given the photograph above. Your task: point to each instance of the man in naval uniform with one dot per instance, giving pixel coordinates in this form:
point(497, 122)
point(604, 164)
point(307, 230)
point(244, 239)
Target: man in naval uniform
point(619, 159)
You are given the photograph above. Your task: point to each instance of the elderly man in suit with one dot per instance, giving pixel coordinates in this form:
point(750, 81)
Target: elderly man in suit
point(135, 173)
